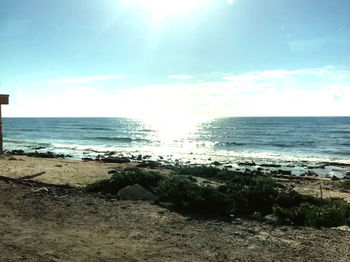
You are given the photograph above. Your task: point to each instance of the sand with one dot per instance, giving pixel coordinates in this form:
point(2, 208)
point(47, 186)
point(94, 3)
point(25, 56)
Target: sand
point(57, 171)
point(66, 224)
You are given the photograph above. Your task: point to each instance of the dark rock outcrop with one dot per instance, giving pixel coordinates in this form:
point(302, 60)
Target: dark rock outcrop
point(136, 192)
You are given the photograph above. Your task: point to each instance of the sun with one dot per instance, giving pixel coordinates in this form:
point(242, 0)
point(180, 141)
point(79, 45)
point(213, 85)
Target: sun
point(160, 9)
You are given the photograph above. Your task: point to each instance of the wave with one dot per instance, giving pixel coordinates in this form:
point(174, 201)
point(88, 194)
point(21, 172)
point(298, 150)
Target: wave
point(24, 142)
point(337, 152)
point(230, 143)
point(340, 132)
point(76, 147)
point(94, 128)
point(16, 141)
point(119, 139)
point(291, 144)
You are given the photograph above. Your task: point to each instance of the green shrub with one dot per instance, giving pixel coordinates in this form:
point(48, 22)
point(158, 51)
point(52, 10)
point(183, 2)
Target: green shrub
point(187, 195)
point(328, 213)
point(238, 193)
point(147, 179)
point(331, 215)
point(345, 185)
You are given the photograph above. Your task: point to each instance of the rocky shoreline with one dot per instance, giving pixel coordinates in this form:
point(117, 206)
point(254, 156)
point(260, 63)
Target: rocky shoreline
point(331, 169)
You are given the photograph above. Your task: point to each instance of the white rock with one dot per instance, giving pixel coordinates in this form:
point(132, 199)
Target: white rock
point(271, 218)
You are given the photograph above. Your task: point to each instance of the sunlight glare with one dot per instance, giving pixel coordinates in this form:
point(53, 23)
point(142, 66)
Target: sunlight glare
point(162, 8)
point(173, 128)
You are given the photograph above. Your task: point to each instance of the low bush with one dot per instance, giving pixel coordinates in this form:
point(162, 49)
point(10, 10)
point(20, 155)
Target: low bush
point(188, 195)
point(333, 212)
point(237, 194)
point(345, 185)
point(147, 179)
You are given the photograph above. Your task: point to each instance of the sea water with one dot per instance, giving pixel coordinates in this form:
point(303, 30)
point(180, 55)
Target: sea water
point(294, 143)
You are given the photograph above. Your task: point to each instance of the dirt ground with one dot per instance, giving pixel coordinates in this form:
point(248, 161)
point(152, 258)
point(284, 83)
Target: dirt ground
point(56, 223)
point(69, 225)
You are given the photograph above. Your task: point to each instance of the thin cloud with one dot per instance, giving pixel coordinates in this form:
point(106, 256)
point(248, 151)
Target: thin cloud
point(181, 77)
point(317, 91)
point(85, 79)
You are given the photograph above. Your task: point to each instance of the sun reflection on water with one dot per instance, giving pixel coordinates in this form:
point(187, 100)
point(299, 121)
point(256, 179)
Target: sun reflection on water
point(180, 131)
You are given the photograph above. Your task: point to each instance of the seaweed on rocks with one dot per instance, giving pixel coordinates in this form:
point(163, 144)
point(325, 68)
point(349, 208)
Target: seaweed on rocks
point(47, 154)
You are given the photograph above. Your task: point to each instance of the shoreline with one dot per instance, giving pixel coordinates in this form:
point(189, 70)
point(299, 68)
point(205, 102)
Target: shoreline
point(304, 167)
point(80, 173)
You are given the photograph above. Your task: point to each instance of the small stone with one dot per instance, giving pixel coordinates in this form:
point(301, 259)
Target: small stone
point(343, 228)
point(41, 189)
point(271, 218)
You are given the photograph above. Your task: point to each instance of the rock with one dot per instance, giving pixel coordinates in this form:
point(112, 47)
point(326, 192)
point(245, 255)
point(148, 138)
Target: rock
point(136, 192)
point(139, 157)
point(118, 160)
point(334, 178)
point(216, 163)
point(284, 172)
point(309, 173)
point(48, 154)
point(343, 228)
point(148, 164)
point(271, 218)
point(86, 159)
point(256, 216)
point(246, 163)
point(270, 165)
point(111, 153)
point(17, 152)
point(146, 157)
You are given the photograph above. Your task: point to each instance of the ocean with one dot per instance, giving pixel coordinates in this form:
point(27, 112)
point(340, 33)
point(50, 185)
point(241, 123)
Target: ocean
point(301, 145)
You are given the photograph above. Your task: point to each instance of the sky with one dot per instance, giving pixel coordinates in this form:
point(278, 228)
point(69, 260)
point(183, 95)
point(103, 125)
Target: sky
point(198, 58)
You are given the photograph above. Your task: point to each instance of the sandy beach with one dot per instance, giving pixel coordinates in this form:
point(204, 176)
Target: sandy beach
point(57, 171)
point(67, 224)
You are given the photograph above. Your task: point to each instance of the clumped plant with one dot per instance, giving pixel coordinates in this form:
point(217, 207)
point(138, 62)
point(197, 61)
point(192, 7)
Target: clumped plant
point(345, 185)
point(147, 179)
point(188, 195)
point(329, 213)
point(236, 194)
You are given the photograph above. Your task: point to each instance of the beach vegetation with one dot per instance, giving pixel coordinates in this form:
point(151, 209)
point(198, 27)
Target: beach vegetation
point(233, 194)
point(147, 179)
point(344, 185)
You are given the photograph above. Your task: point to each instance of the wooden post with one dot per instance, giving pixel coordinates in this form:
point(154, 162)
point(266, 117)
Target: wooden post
point(4, 100)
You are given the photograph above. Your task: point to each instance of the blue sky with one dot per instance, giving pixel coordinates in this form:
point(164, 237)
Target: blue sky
point(205, 58)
